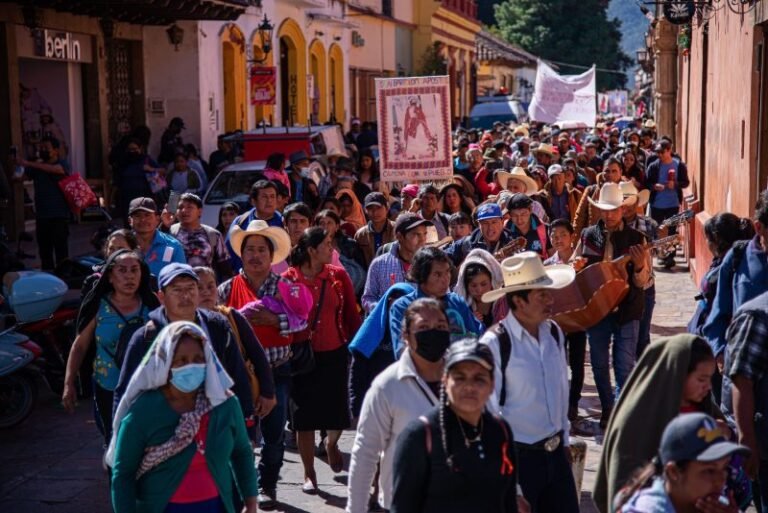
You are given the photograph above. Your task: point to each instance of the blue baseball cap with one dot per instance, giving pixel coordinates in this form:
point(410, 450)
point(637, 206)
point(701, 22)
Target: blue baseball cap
point(488, 211)
point(695, 437)
point(175, 270)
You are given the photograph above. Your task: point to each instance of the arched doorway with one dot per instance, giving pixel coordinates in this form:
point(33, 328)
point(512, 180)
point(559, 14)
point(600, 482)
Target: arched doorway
point(293, 74)
point(318, 68)
point(235, 93)
point(262, 112)
point(336, 72)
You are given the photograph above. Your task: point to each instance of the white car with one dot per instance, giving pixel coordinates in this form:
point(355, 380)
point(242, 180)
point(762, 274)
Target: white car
point(233, 183)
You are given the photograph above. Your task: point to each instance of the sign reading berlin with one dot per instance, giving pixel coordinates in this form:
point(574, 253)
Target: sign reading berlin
point(263, 81)
point(61, 46)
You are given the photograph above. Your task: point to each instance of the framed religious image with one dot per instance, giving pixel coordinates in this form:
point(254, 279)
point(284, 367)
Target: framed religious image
point(414, 129)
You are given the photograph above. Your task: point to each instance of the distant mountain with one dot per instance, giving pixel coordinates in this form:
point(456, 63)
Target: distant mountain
point(633, 27)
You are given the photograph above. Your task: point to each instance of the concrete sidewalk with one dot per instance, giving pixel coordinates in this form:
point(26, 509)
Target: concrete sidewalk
point(52, 462)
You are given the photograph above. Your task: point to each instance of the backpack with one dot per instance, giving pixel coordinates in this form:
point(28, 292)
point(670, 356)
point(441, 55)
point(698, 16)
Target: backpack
point(505, 348)
point(132, 325)
point(253, 380)
point(212, 233)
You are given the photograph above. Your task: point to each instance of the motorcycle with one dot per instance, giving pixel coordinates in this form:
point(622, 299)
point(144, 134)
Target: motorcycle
point(31, 298)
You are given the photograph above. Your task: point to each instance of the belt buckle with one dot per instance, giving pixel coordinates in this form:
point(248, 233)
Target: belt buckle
point(552, 443)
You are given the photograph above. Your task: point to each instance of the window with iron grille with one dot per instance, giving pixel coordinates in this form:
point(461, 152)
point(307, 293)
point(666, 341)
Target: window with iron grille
point(386, 7)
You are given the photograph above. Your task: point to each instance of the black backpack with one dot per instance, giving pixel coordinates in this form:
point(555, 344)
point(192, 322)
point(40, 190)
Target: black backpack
point(505, 349)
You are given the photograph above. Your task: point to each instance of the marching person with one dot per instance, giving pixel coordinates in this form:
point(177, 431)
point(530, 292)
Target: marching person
point(524, 223)
point(608, 239)
point(378, 231)
point(459, 457)
point(587, 214)
point(531, 380)
point(159, 249)
point(490, 234)
point(406, 389)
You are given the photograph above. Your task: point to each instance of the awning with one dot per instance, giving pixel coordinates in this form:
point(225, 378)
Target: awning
point(147, 12)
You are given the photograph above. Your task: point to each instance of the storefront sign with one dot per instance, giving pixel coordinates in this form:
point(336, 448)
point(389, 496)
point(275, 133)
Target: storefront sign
point(263, 85)
point(679, 12)
point(414, 128)
point(54, 45)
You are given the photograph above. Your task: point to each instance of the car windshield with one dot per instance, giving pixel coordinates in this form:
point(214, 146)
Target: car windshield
point(233, 186)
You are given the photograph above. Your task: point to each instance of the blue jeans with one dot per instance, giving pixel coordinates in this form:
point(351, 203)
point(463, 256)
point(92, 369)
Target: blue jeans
point(624, 337)
point(644, 335)
point(273, 430)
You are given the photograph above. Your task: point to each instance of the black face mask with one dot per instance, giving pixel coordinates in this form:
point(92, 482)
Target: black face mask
point(432, 344)
point(45, 155)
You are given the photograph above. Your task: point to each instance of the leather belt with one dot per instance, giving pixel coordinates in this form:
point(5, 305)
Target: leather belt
point(549, 444)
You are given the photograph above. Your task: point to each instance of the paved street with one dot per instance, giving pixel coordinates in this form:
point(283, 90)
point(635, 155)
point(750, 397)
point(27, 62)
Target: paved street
point(51, 463)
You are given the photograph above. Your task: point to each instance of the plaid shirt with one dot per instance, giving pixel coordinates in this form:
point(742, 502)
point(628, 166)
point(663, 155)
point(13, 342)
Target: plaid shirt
point(747, 351)
point(385, 271)
point(650, 228)
point(268, 288)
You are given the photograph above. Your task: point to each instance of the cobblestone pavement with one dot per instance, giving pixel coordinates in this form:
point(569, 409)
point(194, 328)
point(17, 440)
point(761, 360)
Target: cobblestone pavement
point(52, 462)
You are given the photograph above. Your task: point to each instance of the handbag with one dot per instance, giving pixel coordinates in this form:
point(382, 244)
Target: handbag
point(77, 192)
point(302, 355)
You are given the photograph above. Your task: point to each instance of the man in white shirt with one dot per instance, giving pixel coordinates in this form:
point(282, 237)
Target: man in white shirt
point(531, 380)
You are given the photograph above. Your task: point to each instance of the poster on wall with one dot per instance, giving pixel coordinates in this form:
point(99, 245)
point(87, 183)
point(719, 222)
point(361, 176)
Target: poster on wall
point(414, 128)
point(613, 103)
point(263, 85)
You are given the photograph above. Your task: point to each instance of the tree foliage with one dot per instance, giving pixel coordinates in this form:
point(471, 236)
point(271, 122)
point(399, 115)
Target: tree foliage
point(571, 31)
point(432, 62)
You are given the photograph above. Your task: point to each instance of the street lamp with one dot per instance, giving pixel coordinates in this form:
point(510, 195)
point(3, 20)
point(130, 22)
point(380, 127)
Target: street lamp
point(175, 35)
point(264, 30)
point(642, 56)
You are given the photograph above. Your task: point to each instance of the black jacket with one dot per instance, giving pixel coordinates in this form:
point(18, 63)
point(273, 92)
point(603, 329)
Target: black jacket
point(423, 482)
point(458, 250)
point(652, 178)
point(222, 341)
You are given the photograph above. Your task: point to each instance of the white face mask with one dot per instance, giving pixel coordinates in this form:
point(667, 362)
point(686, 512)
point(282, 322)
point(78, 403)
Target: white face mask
point(304, 172)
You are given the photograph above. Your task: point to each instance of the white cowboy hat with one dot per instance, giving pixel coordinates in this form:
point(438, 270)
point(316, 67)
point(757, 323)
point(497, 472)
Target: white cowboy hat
point(518, 173)
point(629, 191)
point(610, 198)
point(525, 271)
point(281, 242)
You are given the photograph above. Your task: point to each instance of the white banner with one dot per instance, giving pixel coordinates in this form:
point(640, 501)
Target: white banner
point(414, 129)
point(558, 98)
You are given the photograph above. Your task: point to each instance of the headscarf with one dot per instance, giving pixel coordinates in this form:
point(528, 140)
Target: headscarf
point(153, 373)
point(649, 400)
point(484, 258)
point(376, 325)
point(90, 306)
point(357, 219)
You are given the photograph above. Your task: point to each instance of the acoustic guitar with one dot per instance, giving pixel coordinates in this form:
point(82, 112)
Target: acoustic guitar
point(596, 291)
point(514, 246)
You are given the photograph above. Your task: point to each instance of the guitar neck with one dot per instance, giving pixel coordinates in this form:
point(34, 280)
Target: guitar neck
point(666, 241)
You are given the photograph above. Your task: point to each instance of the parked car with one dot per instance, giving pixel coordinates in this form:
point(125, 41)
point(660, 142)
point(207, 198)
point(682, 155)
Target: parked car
point(233, 183)
point(490, 109)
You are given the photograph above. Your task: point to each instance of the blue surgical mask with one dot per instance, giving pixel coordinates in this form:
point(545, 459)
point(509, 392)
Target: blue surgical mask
point(189, 377)
point(305, 172)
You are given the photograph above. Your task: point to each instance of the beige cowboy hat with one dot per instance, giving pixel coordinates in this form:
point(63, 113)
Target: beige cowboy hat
point(520, 131)
point(525, 271)
point(610, 198)
point(518, 173)
point(629, 191)
point(281, 242)
point(545, 148)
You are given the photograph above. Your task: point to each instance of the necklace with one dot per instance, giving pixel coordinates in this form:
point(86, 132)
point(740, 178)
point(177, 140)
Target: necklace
point(476, 440)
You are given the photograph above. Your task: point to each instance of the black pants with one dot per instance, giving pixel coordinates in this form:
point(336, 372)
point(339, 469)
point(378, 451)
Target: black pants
point(660, 214)
point(547, 480)
point(52, 236)
point(102, 410)
point(576, 343)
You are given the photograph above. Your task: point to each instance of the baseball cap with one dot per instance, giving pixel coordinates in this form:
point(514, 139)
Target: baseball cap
point(661, 146)
point(298, 156)
point(488, 211)
point(554, 169)
point(375, 198)
point(695, 437)
point(408, 221)
point(469, 350)
point(175, 270)
point(143, 204)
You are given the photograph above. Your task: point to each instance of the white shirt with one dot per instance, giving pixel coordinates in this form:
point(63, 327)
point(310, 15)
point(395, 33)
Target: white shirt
point(397, 397)
point(536, 382)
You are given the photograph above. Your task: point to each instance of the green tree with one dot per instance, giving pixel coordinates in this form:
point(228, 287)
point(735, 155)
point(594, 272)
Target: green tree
point(432, 63)
point(571, 31)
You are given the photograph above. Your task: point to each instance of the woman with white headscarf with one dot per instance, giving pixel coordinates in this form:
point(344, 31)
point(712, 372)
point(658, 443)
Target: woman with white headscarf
point(179, 434)
point(479, 273)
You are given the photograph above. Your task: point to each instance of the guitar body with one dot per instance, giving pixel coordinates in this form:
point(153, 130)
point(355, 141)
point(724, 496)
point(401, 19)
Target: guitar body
point(596, 291)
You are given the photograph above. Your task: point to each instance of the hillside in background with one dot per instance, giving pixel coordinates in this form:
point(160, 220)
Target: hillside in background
point(633, 27)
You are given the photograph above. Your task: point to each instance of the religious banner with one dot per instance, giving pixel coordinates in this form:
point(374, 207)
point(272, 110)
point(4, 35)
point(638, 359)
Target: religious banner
point(613, 103)
point(263, 85)
point(414, 128)
point(563, 98)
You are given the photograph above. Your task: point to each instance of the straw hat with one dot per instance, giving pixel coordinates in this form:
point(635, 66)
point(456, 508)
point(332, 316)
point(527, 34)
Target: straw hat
point(610, 198)
point(629, 191)
point(518, 173)
point(279, 238)
point(525, 271)
point(545, 148)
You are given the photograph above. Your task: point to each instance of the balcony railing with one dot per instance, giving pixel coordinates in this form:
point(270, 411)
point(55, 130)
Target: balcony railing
point(466, 7)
